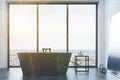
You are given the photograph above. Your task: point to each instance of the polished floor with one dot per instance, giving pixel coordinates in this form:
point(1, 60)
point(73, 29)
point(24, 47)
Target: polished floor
point(16, 74)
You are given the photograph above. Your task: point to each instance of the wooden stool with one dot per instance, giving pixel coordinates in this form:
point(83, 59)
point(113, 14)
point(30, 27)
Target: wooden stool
point(46, 49)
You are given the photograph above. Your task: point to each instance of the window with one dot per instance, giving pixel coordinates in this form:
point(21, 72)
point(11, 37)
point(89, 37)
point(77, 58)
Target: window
point(22, 31)
point(52, 27)
point(82, 31)
point(61, 27)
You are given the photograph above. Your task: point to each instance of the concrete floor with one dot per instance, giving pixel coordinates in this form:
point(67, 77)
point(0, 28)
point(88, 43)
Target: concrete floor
point(16, 74)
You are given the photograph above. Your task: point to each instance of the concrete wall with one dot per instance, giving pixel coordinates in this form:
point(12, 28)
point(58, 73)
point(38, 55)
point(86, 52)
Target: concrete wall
point(3, 34)
point(57, 0)
point(101, 32)
point(4, 26)
point(111, 7)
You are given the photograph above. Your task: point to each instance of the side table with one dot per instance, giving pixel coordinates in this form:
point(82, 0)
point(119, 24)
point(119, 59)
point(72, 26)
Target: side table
point(79, 59)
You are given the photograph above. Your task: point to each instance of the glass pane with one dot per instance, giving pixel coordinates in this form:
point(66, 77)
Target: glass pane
point(52, 27)
point(82, 32)
point(22, 30)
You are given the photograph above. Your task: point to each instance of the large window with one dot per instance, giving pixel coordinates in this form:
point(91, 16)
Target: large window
point(82, 31)
point(52, 27)
point(22, 30)
point(61, 27)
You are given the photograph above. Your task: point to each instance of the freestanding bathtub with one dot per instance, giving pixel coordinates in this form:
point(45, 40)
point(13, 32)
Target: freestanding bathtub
point(39, 64)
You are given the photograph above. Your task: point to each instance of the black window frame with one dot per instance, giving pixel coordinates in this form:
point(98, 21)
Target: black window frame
point(67, 24)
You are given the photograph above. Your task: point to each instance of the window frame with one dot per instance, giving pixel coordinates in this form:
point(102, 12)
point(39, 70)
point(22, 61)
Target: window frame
point(37, 31)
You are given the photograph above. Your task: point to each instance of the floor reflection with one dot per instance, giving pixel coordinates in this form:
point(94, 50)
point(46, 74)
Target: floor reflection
point(63, 77)
point(94, 74)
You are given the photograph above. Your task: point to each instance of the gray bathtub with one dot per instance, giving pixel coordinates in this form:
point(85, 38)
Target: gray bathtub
point(39, 64)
